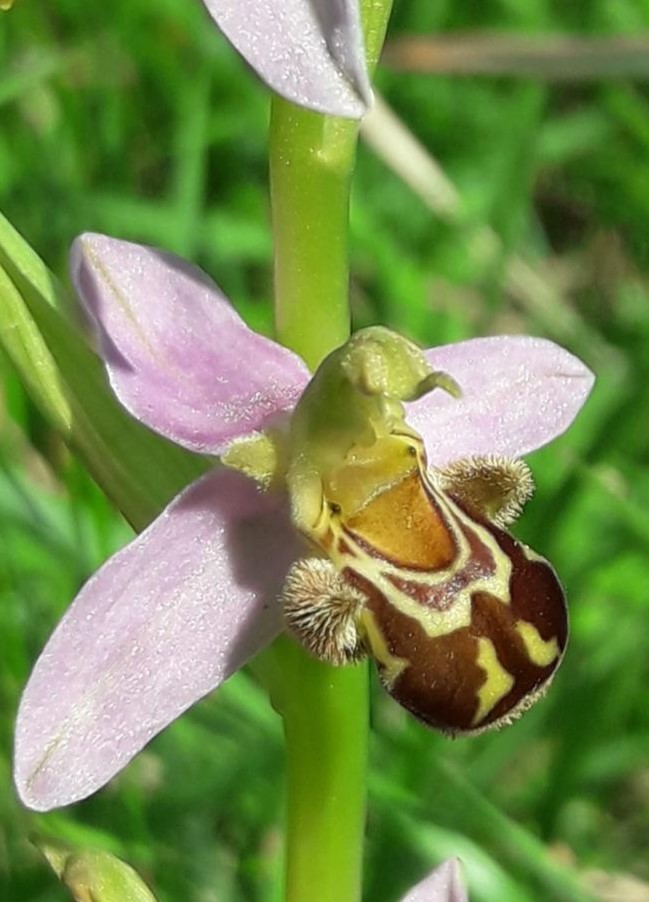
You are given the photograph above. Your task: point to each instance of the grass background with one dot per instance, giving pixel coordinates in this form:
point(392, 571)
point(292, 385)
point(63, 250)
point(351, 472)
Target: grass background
point(137, 119)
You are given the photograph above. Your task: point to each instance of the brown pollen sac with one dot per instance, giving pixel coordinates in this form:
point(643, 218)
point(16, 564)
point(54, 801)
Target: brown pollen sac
point(491, 486)
point(321, 610)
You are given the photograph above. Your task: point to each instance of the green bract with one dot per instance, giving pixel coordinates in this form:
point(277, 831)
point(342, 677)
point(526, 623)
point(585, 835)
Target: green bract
point(95, 876)
point(138, 470)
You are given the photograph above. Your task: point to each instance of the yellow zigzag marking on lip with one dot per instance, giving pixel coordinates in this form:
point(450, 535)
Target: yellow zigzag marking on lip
point(392, 664)
point(498, 681)
point(458, 614)
point(540, 651)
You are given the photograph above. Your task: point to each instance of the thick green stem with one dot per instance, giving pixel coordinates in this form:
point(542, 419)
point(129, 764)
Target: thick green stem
point(311, 163)
point(325, 709)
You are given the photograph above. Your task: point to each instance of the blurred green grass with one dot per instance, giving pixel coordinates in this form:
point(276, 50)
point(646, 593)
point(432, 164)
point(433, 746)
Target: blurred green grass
point(138, 120)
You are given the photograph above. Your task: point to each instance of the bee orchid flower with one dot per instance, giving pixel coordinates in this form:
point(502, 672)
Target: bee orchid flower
point(193, 597)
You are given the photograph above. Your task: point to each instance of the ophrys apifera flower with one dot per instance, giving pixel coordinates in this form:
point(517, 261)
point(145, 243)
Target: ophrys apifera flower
point(192, 598)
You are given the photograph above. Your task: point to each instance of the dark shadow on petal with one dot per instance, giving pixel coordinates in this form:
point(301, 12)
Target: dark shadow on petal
point(261, 544)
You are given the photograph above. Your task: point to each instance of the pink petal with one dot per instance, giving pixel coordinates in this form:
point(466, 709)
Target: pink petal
point(179, 357)
point(308, 51)
point(161, 624)
point(518, 394)
point(443, 885)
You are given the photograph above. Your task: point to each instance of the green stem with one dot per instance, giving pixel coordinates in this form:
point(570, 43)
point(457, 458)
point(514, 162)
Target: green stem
point(325, 709)
point(311, 165)
point(310, 171)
